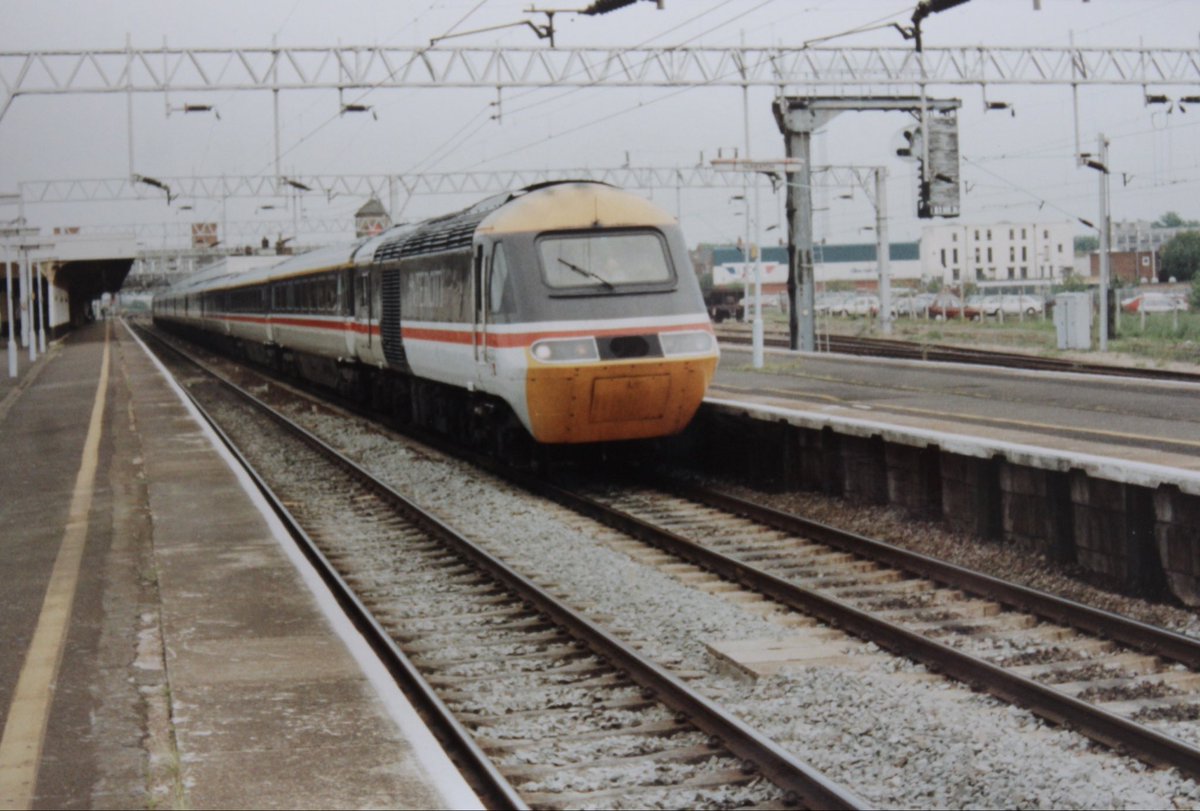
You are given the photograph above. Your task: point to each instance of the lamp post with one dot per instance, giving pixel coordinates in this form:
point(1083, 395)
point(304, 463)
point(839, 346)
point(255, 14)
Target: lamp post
point(882, 251)
point(1104, 244)
point(42, 291)
point(8, 294)
point(27, 305)
point(778, 165)
point(756, 339)
point(1100, 164)
point(28, 334)
point(7, 233)
point(746, 309)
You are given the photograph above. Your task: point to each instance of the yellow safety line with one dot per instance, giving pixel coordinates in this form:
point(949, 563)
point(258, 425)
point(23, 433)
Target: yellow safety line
point(926, 412)
point(25, 727)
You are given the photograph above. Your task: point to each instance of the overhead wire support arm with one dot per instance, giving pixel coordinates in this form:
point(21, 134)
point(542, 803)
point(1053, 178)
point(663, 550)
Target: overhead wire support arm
point(543, 31)
point(605, 6)
point(923, 10)
point(158, 184)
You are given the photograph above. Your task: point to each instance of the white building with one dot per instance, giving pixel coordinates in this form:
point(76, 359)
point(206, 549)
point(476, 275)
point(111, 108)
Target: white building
point(1142, 235)
point(999, 254)
point(854, 263)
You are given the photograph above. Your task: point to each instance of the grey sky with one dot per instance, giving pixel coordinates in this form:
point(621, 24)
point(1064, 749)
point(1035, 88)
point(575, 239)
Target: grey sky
point(1011, 163)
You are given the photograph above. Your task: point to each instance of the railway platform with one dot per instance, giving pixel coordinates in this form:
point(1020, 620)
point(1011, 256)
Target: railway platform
point(1095, 470)
point(162, 647)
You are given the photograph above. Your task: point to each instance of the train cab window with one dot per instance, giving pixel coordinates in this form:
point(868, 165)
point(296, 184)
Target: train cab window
point(604, 261)
point(499, 295)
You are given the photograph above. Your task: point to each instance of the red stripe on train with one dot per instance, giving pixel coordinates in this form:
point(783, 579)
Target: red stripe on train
point(502, 340)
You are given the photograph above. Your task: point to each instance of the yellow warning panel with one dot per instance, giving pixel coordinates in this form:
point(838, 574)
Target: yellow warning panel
point(604, 402)
point(643, 397)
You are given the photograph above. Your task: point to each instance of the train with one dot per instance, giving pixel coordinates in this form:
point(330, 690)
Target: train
point(564, 313)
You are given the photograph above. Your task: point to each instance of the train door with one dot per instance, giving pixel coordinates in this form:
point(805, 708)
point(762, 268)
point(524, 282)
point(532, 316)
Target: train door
point(362, 306)
point(273, 304)
point(346, 305)
point(495, 283)
point(479, 317)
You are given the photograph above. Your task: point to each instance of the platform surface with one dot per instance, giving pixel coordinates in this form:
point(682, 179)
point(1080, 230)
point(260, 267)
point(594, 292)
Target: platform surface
point(1136, 424)
point(197, 669)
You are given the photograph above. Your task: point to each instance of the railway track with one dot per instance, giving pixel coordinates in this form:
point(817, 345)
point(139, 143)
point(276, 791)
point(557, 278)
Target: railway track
point(541, 707)
point(1128, 685)
point(892, 348)
point(738, 593)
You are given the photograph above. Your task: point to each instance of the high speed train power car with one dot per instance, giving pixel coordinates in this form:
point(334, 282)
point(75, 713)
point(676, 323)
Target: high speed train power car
point(567, 310)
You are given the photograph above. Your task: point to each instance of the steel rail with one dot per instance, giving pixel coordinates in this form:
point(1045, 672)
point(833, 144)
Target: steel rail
point(1012, 360)
point(800, 780)
point(1103, 726)
point(1139, 635)
point(891, 348)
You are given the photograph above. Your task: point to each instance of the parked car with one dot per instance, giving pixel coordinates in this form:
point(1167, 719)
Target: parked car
point(988, 305)
point(1029, 305)
point(829, 303)
point(1153, 303)
point(901, 305)
point(921, 302)
point(859, 305)
point(948, 305)
point(904, 304)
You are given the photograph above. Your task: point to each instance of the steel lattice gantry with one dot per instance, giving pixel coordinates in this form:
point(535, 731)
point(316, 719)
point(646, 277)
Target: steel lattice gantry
point(290, 68)
point(479, 182)
point(380, 186)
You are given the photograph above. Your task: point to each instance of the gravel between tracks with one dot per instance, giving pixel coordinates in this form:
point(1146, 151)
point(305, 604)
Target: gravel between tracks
point(900, 740)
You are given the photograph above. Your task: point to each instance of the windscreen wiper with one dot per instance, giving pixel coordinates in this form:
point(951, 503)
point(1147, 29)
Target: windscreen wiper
point(589, 273)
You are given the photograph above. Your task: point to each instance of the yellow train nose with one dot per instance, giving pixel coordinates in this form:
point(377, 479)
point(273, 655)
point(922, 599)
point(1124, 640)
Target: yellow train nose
point(605, 402)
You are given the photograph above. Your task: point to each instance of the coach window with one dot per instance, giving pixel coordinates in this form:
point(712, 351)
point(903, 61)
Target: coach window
point(498, 284)
point(318, 290)
point(332, 288)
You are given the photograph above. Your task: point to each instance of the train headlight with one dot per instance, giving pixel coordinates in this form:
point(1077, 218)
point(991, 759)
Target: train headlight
point(562, 350)
point(686, 343)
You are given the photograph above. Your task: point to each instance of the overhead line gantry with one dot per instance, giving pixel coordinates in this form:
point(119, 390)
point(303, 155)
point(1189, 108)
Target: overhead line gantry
point(279, 68)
